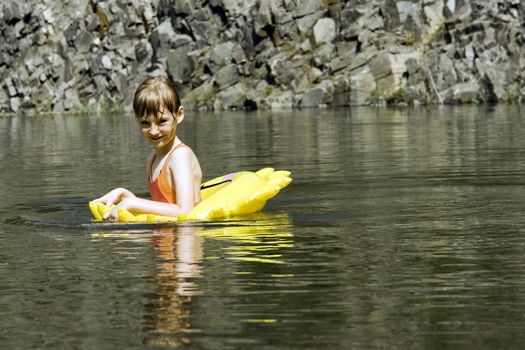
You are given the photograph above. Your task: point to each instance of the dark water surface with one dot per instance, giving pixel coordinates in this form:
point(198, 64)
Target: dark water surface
point(403, 229)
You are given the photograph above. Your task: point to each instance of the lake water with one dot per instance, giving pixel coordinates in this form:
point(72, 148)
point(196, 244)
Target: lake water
point(402, 229)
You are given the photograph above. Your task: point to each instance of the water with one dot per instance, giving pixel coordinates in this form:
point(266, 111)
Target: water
point(403, 229)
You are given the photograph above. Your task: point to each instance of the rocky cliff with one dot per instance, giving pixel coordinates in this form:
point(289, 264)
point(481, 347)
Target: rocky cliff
point(90, 55)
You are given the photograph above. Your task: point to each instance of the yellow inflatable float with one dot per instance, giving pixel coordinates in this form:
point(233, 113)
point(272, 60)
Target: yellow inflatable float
point(234, 194)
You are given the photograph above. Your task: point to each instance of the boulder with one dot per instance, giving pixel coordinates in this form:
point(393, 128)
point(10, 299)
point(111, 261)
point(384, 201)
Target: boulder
point(447, 72)
point(362, 84)
point(280, 100)
point(409, 11)
point(183, 7)
point(233, 97)
point(433, 11)
point(161, 39)
point(463, 93)
point(317, 96)
point(14, 103)
point(493, 80)
point(324, 31)
point(323, 55)
point(226, 76)
point(180, 64)
point(307, 7)
point(388, 69)
point(234, 8)
point(342, 92)
point(305, 24)
point(220, 55)
point(200, 96)
point(262, 19)
point(281, 70)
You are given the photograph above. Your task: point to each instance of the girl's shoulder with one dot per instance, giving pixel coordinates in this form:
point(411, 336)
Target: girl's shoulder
point(182, 150)
point(183, 155)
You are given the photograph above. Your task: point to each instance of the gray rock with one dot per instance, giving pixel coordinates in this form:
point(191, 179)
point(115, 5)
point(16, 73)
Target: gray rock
point(248, 69)
point(179, 66)
point(227, 76)
point(342, 92)
point(71, 99)
point(202, 94)
point(362, 84)
point(262, 19)
point(463, 93)
point(143, 51)
point(307, 7)
point(315, 74)
point(340, 62)
point(220, 55)
point(493, 79)
point(470, 55)
point(409, 10)
point(280, 100)
point(106, 62)
point(388, 69)
point(161, 39)
point(324, 31)
point(238, 55)
point(433, 11)
point(448, 73)
point(11, 88)
point(234, 8)
point(281, 70)
point(319, 95)
point(305, 46)
point(4, 103)
point(351, 14)
point(184, 7)
point(305, 24)
point(182, 40)
point(323, 55)
point(281, 17)
point(303, 82)
point(233, 97)
point(286, 30)
point(12, 12)
point(14, 103)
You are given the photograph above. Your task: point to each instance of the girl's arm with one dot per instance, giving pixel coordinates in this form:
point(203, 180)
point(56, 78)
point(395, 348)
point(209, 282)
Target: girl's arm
point(181, 169)
point(183, 176)
point(115, 196)
point(144, 206)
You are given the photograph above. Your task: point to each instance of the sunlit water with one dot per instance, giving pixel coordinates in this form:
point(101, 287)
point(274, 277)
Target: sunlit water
point(402, 229)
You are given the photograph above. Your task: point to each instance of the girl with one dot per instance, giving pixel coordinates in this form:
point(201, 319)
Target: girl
point(174, 173)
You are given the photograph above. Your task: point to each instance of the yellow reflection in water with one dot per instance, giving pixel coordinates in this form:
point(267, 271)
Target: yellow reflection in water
point(178, 255)
point(260, 240)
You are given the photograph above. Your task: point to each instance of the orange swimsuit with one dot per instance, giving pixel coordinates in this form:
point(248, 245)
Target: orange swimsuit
point(160, 189)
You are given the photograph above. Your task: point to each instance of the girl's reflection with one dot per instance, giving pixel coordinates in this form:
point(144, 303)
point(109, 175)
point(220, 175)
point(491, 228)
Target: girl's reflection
point(178, 257)
point(178, 261)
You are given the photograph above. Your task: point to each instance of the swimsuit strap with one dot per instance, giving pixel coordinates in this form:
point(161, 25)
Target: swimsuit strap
point(165, 165)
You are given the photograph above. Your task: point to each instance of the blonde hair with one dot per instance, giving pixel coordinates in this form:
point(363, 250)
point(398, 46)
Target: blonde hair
point(153, 94)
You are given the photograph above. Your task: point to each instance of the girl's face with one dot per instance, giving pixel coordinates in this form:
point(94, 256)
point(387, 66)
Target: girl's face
point(160, 130)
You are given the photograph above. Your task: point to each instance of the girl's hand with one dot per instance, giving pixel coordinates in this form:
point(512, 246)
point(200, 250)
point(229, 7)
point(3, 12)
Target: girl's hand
point(115, 196)
point(112, 215)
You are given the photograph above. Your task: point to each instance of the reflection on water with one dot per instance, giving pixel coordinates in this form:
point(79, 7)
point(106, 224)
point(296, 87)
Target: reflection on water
point(178, 258)
point(261, 241)
point(403, 229)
